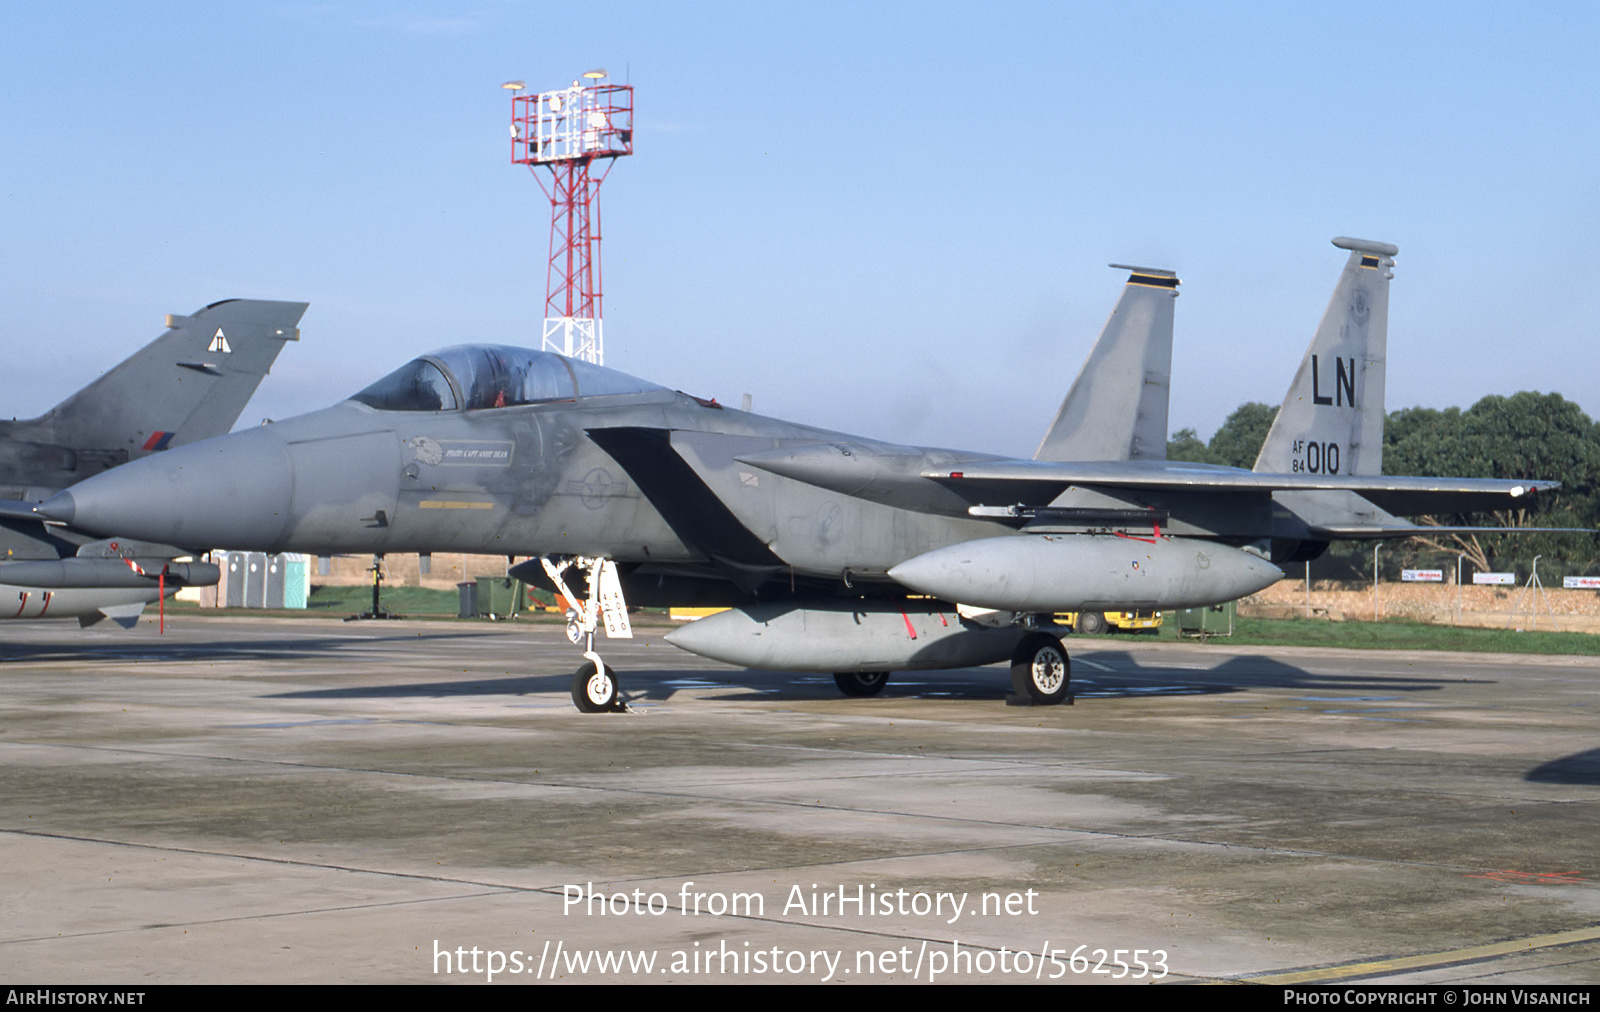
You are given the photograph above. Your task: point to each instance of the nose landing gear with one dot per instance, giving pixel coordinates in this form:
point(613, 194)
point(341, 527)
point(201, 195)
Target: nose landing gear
point(595, 688)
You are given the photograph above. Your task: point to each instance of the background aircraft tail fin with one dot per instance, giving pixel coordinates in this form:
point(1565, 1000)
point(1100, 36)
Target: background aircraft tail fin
point(1117, 407)
point(191, 383)
point(1331, 421)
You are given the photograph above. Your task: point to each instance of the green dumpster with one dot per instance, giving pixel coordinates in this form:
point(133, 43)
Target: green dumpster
point(1203, 623)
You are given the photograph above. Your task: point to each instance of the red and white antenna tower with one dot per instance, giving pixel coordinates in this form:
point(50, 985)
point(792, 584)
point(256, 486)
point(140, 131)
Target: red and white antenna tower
point(577, 133)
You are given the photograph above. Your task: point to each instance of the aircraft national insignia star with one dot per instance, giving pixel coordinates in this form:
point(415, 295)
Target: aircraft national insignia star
point(596, 487)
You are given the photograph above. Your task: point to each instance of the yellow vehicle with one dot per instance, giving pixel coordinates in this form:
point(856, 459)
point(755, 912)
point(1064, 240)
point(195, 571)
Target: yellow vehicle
point(1095, 623)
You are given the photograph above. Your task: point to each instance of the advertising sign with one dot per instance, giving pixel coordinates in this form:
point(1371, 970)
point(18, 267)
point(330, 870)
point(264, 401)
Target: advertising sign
point(1422, 575)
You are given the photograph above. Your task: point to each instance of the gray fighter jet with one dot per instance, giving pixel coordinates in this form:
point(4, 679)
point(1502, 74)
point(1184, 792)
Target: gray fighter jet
point(190, 384)
point(834, 553)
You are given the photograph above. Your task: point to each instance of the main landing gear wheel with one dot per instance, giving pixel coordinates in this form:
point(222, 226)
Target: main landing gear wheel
point(1092, 623)
point(861, 683)
point(1041, 674)
point(594, 688)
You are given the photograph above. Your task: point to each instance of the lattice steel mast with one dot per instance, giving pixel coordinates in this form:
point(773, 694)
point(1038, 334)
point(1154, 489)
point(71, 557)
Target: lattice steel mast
point(576, 133)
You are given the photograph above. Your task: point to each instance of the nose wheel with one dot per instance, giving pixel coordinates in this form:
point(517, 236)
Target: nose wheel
point(594, 688)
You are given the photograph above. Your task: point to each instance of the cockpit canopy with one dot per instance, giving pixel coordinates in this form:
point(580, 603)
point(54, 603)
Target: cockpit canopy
point(472, 376)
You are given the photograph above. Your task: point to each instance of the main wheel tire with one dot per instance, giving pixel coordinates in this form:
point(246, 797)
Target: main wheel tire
point(861, 683)
point(1092, 623)
point(594, 688)
point(1041, 670)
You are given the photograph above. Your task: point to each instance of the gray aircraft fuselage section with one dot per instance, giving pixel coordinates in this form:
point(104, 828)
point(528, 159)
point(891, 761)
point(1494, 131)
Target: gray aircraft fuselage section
point(605, 475)
point(877, 472)
point(352, 478)
point(896, 476)
point(816, 530)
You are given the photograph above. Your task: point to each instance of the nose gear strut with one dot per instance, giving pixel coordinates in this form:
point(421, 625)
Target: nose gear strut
point(594, 686)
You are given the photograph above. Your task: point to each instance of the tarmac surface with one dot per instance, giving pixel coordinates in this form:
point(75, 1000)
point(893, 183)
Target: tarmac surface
point(270, 800)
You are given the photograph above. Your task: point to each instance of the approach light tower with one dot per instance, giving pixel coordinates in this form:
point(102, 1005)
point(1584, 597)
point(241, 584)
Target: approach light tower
point(577, 133)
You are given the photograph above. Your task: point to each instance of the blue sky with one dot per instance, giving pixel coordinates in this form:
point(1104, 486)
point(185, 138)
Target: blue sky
point(890, 219)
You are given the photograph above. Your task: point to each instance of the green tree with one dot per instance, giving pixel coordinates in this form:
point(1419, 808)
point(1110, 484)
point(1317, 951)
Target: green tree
point(1526, 435)
point(1185, 445)
point(1238, 442)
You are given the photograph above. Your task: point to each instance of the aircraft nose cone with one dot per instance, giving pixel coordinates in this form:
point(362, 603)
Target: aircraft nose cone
point(228, 492)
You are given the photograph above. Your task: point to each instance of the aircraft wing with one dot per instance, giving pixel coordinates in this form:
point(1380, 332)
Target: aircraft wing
point(1380, 532)
point(943, 481)
point(1036, 481)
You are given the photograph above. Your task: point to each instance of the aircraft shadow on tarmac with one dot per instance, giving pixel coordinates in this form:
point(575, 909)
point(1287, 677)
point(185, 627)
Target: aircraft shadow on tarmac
point(82, 650)
point(1581, 768)
point(1097, 674)
point(1235, 674)
point(518, 685)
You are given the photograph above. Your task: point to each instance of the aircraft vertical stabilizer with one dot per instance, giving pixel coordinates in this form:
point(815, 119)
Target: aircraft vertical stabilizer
point(191, 383)
point(1331, 422)
point(1117, 407)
